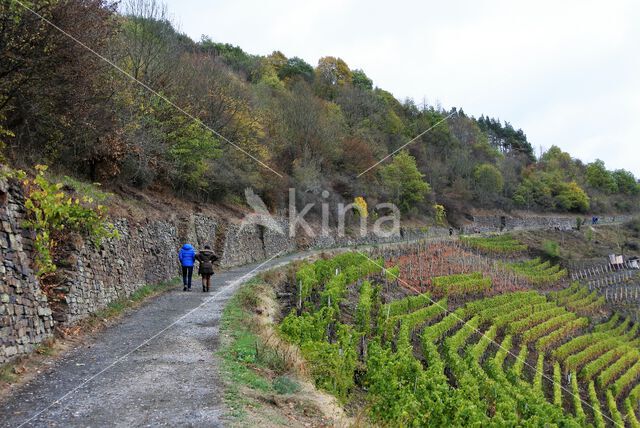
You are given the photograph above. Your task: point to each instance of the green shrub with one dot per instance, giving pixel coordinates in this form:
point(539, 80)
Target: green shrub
point(52, 214)
point(285, 385)
point(551, 249)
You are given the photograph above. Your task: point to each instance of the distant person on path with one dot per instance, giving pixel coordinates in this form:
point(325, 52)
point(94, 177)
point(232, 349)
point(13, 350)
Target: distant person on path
point(187, 258)
point(206, 258)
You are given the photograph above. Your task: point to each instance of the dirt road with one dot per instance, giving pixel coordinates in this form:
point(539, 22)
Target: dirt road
point(156, 367)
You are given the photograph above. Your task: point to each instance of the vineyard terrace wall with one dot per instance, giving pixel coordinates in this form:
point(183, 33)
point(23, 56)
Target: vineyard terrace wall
point(146, 253)
point(497, 223)
point(25, 317)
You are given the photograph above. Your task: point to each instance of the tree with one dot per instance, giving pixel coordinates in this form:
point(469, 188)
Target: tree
point(626, 182)
point(56, 96)
point(361, 80)
point(190, 154)
point(488, 182)
point(149, 43)
point(599, 178)
point(330, 73)
point(555, 161)
point(548, 190)
point(270, 68)
point(404, 182)
point(296, 68)
point(572, 198)
point(537, 189)
point(63, 105)
point(239, 61)
point(506, 138)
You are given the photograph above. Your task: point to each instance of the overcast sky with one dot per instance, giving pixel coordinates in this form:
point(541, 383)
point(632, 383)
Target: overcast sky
point(566, 72)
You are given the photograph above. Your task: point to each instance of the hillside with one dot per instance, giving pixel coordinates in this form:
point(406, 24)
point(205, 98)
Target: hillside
point(376, 262)
point(451, 333)
point(205, 120)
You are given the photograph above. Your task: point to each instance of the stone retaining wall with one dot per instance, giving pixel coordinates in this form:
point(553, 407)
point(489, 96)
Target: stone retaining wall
point(25, 316)
point(497, 223)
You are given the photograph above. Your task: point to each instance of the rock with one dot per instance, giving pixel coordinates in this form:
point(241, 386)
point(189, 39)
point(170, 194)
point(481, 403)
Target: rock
point(44, 312)
point(10, 351)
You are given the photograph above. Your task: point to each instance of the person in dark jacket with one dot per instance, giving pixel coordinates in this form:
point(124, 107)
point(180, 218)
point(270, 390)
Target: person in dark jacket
point(187, 258)
point(206, 258)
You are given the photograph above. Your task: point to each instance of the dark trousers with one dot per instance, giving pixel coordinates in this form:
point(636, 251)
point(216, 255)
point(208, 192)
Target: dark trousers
point(206, 281)
point(187, 274)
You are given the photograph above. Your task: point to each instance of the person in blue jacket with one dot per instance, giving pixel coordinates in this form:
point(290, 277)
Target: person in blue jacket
point(187, 258)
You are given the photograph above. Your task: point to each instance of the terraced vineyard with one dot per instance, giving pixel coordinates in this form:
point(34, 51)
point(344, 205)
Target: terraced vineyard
point(462, 283)
point(447, 268)
point(538, 272)
point(503, 244)
point(516, 358)
point(578, 299)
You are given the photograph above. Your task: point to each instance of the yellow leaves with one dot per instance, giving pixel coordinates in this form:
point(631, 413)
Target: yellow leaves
point(334, 70)
point(51, 212)
point(361, 204)
point(269, 76)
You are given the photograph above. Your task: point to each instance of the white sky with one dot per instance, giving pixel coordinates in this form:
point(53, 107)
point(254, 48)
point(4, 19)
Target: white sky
point(566, 72)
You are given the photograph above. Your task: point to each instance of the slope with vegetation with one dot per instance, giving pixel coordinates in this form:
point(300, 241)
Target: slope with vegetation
point(517, 358)
point(318, 127)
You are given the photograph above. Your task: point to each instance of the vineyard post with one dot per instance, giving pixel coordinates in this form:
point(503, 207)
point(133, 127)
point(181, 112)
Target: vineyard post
point(386, 281)
point(420, 277)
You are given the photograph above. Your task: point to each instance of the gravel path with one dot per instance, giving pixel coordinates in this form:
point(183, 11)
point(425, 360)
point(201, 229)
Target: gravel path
point(156, 367)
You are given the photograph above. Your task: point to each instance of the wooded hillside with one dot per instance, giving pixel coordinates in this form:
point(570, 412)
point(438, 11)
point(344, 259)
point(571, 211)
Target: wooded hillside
point(318, 127)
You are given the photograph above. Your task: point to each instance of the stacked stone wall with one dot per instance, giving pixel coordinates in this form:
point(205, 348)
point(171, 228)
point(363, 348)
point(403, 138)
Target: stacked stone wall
point(25, 317)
